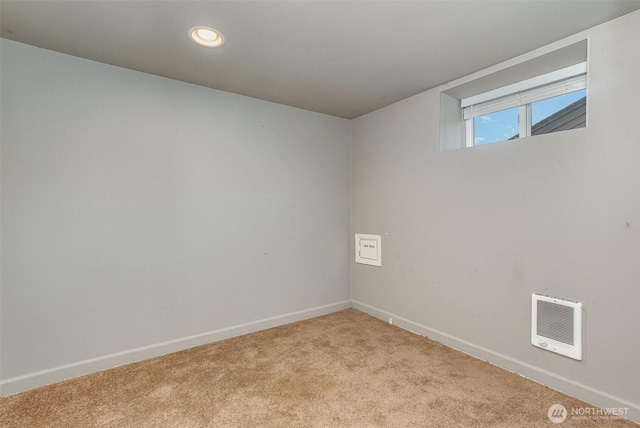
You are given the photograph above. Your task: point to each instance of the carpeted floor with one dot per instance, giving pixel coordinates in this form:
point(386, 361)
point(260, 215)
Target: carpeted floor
point(346, 369)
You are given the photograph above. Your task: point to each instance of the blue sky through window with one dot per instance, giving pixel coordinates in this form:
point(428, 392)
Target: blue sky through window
point(503, 125)
point(498, 126)
point(545, 108)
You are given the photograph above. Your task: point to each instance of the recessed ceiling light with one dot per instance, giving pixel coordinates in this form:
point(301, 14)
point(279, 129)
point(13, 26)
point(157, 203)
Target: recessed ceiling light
point(206, 36)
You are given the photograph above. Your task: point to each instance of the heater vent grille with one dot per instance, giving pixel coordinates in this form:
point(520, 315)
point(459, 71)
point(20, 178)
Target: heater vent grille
point(556, 325)
point(555, 322)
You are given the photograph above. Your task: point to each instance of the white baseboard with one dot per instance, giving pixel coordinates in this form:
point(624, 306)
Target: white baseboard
point(68, 371)
point(553, 380)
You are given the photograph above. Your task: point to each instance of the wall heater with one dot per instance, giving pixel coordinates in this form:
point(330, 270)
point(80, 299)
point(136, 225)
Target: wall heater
point(556, 325)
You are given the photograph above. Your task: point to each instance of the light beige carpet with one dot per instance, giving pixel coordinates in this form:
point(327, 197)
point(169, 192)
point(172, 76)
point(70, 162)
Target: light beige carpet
point(341, 370)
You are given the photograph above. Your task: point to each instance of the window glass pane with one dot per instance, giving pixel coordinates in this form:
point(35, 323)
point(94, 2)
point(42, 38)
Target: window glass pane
point(498, 126)
point(559, 113)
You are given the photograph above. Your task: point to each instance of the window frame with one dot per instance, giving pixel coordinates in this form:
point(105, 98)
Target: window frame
point(522, 95)
point(542, 61)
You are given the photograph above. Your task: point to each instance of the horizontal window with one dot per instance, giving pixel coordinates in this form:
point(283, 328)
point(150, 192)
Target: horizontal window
point(541, 106)
point(542, 101)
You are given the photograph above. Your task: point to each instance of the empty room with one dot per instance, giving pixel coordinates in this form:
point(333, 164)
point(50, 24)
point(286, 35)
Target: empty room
point(319, 213)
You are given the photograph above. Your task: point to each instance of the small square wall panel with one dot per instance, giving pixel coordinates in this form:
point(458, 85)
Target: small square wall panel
point(369, 249)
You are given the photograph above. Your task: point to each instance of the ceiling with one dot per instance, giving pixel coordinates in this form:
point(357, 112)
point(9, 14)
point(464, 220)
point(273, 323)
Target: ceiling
point(342, 58)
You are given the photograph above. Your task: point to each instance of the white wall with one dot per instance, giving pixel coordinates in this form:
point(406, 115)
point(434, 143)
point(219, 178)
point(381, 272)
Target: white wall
point(142, 215)
point(468, 235)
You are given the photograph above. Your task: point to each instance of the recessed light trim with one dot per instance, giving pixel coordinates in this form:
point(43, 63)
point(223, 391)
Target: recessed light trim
point(206, 36)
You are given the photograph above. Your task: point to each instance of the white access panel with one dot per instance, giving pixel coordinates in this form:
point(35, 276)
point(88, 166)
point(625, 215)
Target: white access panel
point(369, 249)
